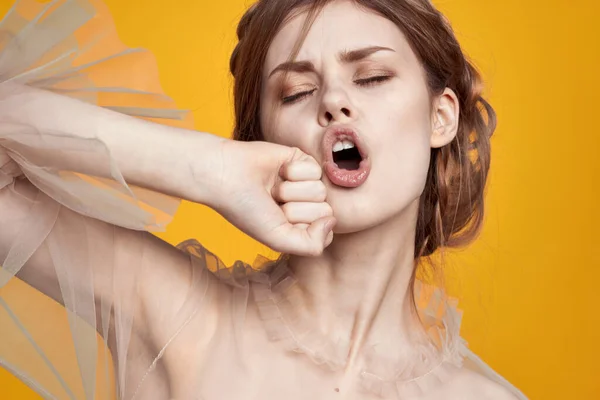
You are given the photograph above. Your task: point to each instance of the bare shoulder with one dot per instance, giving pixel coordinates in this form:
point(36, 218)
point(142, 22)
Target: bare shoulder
point(467, 384)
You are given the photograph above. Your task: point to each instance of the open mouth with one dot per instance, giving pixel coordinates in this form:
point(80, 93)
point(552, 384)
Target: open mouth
point(347, 163)
point(346, 155)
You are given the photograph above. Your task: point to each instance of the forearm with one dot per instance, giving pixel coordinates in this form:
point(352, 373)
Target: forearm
point(149, 155)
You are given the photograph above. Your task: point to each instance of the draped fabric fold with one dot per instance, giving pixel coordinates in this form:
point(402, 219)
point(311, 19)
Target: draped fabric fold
point(70, 47)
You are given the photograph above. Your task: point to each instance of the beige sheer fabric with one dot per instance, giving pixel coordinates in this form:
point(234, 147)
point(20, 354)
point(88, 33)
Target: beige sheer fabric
point(59, 344)
point(71, 48)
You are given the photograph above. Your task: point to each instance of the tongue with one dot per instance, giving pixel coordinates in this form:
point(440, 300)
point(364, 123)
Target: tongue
point(348, 164)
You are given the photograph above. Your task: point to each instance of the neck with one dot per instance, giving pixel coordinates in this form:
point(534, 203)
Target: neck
point(360, 290)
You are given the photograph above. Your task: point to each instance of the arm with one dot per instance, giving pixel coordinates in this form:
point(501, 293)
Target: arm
point(238, 180)
point(44, 135)
point(148, 155)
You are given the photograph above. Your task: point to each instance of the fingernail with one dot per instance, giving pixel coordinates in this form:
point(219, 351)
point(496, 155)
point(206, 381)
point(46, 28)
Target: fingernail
point(329, 239)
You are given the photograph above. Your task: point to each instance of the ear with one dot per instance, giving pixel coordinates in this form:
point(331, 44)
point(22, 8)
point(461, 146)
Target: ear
point(444, 118)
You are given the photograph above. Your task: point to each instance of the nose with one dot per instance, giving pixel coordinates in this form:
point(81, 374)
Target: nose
point(335, 107)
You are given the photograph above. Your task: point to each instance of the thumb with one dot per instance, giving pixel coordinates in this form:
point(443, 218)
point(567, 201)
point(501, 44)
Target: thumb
point(301, 240)
point(320, 233)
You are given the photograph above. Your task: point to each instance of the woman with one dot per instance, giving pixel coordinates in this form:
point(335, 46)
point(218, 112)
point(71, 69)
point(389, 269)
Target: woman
point(363, 145)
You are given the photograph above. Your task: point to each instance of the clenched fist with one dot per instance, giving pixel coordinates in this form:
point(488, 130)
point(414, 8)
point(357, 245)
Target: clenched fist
point(273, 193)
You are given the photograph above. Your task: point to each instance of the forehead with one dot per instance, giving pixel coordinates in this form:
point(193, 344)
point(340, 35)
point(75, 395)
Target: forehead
point(341, 25)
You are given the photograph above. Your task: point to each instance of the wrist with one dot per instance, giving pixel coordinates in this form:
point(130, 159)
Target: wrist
point(202, 168)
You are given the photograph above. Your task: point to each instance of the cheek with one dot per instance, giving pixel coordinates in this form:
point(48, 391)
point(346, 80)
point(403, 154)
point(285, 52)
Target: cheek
point(404, 150)
point(405, 164)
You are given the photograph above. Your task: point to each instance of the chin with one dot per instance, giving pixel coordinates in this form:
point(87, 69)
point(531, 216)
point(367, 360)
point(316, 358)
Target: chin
point(358, 210)
point(355, 216)
point(350, 224)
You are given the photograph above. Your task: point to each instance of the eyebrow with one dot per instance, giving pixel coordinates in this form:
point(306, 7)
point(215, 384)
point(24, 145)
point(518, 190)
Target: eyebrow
point(346, 57)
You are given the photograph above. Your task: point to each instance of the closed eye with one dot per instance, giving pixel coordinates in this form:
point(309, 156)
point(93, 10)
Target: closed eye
point(372, 80)
point(361, 82)
point(295, 97)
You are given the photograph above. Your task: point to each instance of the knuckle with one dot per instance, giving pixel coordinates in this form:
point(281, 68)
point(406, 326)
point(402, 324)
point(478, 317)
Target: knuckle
point(321, 191)
point(318, 171)
point(327, 210)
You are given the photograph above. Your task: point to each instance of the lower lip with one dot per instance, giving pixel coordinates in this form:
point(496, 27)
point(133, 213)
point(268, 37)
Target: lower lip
point(348, 178)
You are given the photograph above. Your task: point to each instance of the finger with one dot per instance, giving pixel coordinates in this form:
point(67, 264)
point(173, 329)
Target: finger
point(305, 242)
point(301, 171)
point(307, 213)
point(287, 191)
point(321, 233)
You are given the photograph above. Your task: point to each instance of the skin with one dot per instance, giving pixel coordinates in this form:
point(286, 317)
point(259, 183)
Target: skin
point(358, 286)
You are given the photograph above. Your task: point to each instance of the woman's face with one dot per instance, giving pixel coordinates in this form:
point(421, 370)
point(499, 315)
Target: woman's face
point(355, 81)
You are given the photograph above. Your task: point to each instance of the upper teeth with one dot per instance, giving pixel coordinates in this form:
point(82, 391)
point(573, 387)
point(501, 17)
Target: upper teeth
point(342, 145)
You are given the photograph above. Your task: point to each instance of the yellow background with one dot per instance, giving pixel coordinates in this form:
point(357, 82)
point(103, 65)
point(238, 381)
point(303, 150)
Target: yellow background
point(529, 285)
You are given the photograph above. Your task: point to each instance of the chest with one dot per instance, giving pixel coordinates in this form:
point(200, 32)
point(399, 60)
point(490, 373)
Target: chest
point(249, 366)
point(236, 361)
